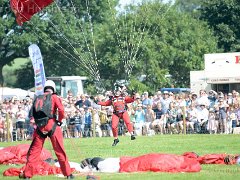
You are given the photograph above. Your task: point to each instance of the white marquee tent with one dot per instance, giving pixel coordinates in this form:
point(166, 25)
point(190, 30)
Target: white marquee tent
point(7, 93)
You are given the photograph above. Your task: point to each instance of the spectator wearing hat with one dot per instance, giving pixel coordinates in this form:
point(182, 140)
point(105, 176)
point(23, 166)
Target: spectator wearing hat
point(15, 103)
point(203, 114)
point(171, 96)
point(212, 123)
point(157, 99)
point(193, 98)
point(165, 101)
point(231, 117)
point(212, 97)
point(78, 124)
point(221, 107)
point(235, 123)
point(192, 115)
point(137, 101)
point(203, 98)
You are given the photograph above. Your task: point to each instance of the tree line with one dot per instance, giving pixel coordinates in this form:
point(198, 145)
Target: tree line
point(107, 43)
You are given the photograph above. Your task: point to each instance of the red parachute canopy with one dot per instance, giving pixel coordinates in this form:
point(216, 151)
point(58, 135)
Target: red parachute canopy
point(25, 9)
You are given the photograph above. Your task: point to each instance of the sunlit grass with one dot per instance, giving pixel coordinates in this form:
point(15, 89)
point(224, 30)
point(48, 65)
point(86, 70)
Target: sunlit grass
point(78, 149)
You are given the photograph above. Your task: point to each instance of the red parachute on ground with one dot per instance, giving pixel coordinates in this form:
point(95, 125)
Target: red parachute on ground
point(25, 9)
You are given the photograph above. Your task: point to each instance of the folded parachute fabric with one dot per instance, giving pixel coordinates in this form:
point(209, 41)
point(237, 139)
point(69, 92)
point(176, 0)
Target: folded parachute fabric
point(41, 168)
point(159, 163)
point(154, 162)
point(17, 154)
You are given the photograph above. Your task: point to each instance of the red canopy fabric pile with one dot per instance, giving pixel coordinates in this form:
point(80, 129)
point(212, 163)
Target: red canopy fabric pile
point(18, 154)
point(159, 163)
point(41, 168)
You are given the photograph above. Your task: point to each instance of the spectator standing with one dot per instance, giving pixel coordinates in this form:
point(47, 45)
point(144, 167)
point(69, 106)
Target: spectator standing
point(20, 122)
point(231, 116)
point(165, 102)
point(221, 107)
point(157, 99)
point(2, 128)
point(83, 102)
point(104, 120)
point(139, 120)
point(87, 122)
point(78, 124)
point(146, 101)
point(136, 102)
point(212, 123)
point(212, 97)
point(235, 123)
point(96, 123)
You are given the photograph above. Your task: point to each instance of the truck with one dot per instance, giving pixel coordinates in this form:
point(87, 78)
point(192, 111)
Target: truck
point(69, 83)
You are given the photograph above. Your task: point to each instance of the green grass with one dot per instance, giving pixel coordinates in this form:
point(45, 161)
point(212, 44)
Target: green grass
point(78, 149)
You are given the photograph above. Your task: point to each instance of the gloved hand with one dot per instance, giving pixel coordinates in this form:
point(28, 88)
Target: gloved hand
point(230, 159)
point(59, 123)
point(110, 98)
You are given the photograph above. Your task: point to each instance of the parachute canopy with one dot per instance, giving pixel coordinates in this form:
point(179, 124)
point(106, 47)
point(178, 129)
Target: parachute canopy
point(25, 9)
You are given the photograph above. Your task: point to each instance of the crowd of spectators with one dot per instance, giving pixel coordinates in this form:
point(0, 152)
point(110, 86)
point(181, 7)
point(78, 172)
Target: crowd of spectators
point(162, 113)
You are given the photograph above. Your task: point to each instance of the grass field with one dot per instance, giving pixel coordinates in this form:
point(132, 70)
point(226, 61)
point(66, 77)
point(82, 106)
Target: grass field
point(78, 149)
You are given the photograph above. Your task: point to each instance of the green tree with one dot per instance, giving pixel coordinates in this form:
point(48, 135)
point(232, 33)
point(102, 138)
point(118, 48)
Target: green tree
point(13, 40)
point(170, 42)
point(67, 35)
point(223, 16)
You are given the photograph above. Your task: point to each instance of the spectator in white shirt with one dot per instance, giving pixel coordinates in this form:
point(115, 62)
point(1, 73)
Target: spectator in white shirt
point(203, 114)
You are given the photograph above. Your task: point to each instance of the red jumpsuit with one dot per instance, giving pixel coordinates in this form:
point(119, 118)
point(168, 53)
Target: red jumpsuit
point(35, 149)
point(119, 111)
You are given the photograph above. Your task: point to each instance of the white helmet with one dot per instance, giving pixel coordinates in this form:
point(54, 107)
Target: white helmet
point(50, 84)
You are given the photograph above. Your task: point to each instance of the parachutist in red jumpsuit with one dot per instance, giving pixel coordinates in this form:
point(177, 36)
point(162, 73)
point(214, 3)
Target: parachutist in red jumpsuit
point(53, 130)
point(118, 101)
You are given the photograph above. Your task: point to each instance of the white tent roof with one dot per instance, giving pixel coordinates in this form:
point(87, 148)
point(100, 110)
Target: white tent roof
point(6, 92)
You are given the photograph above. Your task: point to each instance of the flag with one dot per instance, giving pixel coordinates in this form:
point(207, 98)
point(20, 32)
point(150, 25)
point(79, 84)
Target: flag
point(39, 73)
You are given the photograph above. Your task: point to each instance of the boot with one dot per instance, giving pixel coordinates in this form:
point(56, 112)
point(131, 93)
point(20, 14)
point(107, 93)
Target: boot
point(115, 142)
point(133, 137)
point(70, 176)
point(22, 176)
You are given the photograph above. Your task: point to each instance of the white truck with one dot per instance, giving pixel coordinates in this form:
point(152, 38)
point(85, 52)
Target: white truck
point(66, 83)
